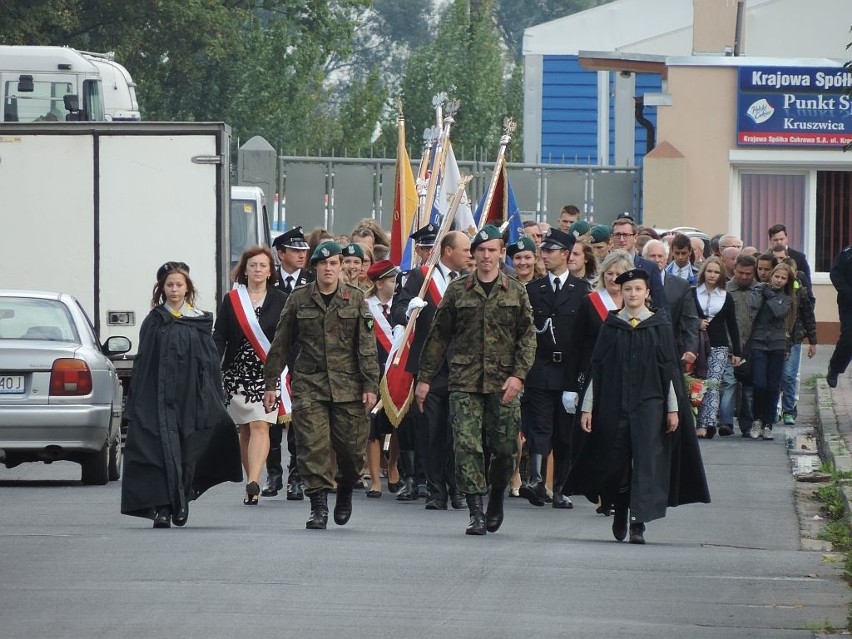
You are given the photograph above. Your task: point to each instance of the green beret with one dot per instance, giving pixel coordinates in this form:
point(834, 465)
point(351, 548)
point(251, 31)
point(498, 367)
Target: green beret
point(488, 232)
point(578, 228)
point(600, 233)
point(523, 244)
point(353, 250)
point(324, 251)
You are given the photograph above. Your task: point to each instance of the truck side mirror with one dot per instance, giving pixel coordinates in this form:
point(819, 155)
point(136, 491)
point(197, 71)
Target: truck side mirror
point(25, 84)
point(72, 105)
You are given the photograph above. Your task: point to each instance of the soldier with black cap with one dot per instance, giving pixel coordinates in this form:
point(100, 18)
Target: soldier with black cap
point(550, 397)
point(434, 441)
point(484, 322)
point(292, 249)
point(412, 442)
point(334, 381)
point(639, 451)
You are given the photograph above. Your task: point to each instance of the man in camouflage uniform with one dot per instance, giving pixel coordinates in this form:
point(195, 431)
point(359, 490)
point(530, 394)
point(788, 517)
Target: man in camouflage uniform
point(333, 381)
point(485, 322)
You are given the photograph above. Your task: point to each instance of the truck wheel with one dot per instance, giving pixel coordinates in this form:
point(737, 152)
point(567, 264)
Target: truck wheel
point(116, 458)
point(95, 467)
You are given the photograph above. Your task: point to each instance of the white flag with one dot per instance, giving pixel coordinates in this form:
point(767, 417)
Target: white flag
point(449, 185)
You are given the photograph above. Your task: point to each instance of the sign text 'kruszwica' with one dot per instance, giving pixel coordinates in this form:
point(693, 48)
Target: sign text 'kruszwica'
point(794, 106)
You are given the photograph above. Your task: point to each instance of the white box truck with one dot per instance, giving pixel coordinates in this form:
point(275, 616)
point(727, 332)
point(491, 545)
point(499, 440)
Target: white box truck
point(93, 209)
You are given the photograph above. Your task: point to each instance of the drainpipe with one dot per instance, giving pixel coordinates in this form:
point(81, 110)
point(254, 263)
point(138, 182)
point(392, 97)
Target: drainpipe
point(740, 29)
point(651, 140)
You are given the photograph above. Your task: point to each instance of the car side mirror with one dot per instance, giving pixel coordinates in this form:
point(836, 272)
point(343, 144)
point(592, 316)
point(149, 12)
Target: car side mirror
point(116, 345)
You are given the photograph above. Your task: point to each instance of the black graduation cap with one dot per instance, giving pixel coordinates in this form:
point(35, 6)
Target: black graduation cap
point(633, 274)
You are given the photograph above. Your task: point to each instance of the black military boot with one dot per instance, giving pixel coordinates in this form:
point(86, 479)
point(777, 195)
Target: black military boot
point(494, 513)
point(637, 531)
point(295, 491)
point(319, 510)
point(533, 491)
point(274, 483)
point(343, 505)
point(274, 471)
point(162, 517)
point(477, 517)
point(619, 520)
point(408, 492)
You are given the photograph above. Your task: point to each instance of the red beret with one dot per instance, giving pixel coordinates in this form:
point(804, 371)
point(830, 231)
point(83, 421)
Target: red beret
point(382, 269)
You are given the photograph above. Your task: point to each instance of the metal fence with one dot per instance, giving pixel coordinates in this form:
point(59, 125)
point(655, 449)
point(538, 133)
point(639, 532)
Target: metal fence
point(335, 193)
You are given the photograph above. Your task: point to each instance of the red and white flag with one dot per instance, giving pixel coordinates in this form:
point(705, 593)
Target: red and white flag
point(260, 344)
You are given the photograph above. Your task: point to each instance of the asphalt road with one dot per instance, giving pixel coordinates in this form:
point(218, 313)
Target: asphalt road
point(72, 567)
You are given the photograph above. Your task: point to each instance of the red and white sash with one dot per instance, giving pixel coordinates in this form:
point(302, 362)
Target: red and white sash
point(247, 320)
point(381, 326)
point(603, 303)
point(437, 285)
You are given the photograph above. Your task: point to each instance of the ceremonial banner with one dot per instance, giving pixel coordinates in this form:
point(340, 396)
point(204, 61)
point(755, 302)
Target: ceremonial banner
point(404, 204)
point(449, 184)
point(502, 209)
point(397, 385)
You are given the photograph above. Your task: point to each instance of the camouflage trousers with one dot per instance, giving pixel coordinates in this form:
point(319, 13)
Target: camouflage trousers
point(319, 428)
point(482, 424)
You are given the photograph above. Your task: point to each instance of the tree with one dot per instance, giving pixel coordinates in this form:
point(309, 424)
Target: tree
point(466, 61)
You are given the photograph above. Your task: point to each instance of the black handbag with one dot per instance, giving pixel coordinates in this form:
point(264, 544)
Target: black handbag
point(702, 357)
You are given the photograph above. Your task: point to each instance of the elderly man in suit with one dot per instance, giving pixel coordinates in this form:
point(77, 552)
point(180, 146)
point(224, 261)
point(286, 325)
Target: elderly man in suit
point(681, 303)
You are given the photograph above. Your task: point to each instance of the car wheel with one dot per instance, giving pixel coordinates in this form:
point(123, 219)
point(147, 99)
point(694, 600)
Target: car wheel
point(96, 467)
point(116, 458)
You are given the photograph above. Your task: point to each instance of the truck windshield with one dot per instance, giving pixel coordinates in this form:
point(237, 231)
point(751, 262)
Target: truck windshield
point(42, 104)
point(243, 228)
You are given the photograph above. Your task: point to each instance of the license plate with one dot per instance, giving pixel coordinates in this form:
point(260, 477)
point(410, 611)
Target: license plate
point(11, 384)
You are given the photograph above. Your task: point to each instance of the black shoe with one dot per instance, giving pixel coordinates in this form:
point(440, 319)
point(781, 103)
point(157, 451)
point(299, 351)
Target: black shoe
point(561, 501)
point(831, 378)
point(533, 493)
point(619, 523)
point(637, 532)
point(725, 430)
point(319, 510)
point(162, 517)
point(273, 484)
point(422, 491)
point(343, 505)
point(394, 486)
point(408, 492)
point(711, 432)
point(436, 503)
point(457, 501)
point(252, 491)
point(494, 513)
point(295, 491)
point(180, 518)
point(477, 517)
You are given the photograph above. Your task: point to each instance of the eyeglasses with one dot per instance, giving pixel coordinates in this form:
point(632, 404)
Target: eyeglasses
point(622, 236)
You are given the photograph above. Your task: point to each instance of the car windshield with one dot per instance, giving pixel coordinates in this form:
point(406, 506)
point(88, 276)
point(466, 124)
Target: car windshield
point(243, 228)
point(36, 319)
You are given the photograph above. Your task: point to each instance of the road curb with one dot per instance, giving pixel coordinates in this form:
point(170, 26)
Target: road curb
point(832, 446)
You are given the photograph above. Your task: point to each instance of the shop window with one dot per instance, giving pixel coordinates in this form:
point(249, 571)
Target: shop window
point(833, 215)
point(769, 199)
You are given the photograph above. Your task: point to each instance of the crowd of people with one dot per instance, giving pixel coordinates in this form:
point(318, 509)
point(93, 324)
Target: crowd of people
point(544, 368)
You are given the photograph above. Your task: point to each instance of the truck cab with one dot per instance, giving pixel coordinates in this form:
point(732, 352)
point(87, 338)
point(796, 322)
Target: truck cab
point(249, 220)
point(119, 89)
point(49, 84)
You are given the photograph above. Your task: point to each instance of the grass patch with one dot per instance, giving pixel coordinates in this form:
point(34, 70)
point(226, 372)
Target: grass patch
point(811, 381)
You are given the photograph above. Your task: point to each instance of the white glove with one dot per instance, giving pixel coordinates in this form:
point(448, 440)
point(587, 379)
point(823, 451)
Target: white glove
point(416, 302)
point(569, 402)
point(397, 331)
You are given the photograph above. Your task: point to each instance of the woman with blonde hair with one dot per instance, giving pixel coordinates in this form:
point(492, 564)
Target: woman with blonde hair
point(718, 322)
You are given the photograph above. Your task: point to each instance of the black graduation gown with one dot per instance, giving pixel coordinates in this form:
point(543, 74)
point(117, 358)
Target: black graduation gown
point(180, 439)
point(631, 370)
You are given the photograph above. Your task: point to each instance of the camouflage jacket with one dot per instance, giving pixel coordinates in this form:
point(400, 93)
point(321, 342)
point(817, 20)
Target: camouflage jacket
point(492, 337)
point(336, 358)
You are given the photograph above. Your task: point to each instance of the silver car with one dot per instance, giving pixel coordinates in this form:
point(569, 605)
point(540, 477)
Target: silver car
point(60, 397)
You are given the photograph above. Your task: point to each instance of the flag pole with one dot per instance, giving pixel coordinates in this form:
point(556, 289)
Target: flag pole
point(509, 127)
point(433, 259)
point(441, 156)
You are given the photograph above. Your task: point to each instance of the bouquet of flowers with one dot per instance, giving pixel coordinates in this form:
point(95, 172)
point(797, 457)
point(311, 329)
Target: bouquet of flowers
point(696, 388)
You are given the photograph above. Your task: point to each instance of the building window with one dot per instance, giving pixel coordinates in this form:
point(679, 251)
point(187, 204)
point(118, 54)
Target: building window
point(769, 199)
point(833, 215)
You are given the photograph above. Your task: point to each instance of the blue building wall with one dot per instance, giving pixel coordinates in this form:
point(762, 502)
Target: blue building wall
point(569, 112)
